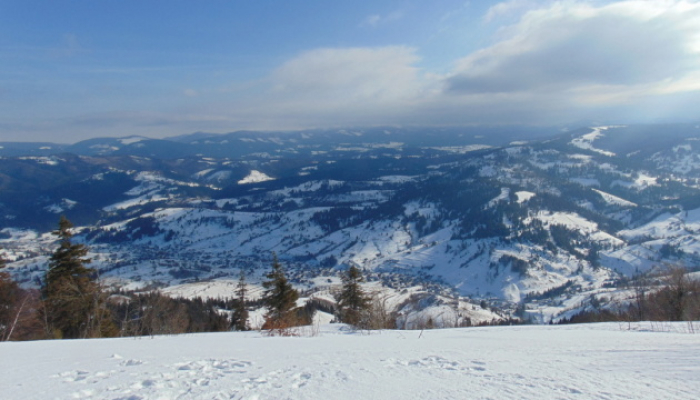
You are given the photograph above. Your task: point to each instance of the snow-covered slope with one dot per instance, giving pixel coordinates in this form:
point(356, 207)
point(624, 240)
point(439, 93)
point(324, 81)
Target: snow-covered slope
point(255, 177)
point(562, 362)
point(510, 225)
point(586, 141)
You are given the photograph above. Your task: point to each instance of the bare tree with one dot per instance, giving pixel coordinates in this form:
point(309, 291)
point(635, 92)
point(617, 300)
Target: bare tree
point(163, 316)
point(378, 315)
point(680, 294)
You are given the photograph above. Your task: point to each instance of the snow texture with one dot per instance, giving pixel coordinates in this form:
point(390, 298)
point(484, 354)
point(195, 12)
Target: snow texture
point(614, 200)
point(524, 196)
point(132, 139)
point(255, 177)
point(586, 141)
point(600, 361)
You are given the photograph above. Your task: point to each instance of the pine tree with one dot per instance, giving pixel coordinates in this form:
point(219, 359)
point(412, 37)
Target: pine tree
point(280, 298)
point(352, 300)
point(72, 303)
point(239, 317)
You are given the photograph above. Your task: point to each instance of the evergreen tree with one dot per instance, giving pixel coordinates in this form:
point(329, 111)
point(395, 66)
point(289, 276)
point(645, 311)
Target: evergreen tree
point(67, 260)
point(239, 317)
point(352, 300)
point(73, 304)
point(280, 298)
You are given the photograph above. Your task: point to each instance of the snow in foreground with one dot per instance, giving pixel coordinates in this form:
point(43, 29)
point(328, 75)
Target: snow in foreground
point(531, 362)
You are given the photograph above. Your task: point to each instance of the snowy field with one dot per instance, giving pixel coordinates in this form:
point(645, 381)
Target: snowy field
point(598, 361)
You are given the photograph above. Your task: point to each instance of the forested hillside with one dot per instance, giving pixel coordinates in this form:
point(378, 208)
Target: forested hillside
point(538, 221)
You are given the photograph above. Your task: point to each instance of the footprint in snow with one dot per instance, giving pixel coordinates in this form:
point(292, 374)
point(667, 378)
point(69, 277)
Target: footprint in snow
point(479, 366)
point(84, 394)
point(436, 363)
point(72, 376)
point(300, 380)
point(130, 363)
point(212, 368)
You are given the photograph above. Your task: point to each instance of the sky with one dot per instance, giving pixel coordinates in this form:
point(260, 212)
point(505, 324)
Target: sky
point(77, 69)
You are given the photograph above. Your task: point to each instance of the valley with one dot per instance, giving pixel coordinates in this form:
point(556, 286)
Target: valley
point(536, 225)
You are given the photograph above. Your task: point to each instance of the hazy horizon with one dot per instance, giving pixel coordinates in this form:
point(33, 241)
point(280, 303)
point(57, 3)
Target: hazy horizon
point(74, 70)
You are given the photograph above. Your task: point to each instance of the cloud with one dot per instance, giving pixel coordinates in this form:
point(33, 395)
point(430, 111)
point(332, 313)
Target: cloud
point(627, 61)
point(563, 62)
point(349, 74)
point(375, 19)
point(572, 46)
point(506, 8)
point(343, 85)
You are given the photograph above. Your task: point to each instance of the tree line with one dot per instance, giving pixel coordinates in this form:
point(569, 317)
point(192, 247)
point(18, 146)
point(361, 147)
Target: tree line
point(72, 304)
point(673, 295)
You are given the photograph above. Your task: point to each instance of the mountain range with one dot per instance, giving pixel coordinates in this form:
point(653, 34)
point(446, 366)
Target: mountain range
point(543, 221)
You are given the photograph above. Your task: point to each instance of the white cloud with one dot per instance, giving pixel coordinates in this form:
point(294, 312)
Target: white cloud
point(574, 54)
point(625, 61)
point(566, 61)
point(570, 45)
point(375, 19)
point(561, 62)
point(567, 46)
point(339, 86)
point(506, 8)
point(351, 74)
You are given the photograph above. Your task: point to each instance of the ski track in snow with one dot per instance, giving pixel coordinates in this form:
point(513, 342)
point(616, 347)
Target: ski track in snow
point(532, 362)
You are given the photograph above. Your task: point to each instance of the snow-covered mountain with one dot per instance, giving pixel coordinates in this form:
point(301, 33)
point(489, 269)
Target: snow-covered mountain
point(539, 224)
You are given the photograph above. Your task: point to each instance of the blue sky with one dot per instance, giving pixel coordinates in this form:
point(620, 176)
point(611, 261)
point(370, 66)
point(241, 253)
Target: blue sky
point(72, 70)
